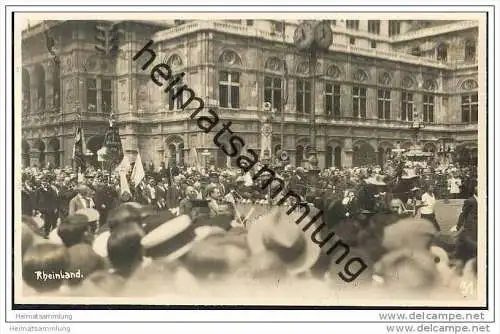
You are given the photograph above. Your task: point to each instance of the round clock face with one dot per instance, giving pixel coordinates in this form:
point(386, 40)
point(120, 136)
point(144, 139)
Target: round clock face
point(323, 35)
point(304, 35)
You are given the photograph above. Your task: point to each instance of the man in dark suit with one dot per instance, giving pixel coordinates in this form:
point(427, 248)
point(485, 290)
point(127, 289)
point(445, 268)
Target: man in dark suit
point(172, 171)
point(47, 203)
point(467, 229)
point(104, 199)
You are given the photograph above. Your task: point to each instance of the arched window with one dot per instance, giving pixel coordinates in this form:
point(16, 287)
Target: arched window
point(40, 87)
point(181, 154)
point(470, 51)
point(175, 94)
point(442, 52)
point(26, 91)
point(338, 157)
point(229, 80)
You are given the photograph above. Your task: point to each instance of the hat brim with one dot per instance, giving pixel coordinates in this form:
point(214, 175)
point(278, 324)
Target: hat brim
point(255, 240)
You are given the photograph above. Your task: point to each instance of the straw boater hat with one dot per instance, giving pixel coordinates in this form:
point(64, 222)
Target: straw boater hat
point(280, 229)
point(91, 214)
point(409, 173)
point(170, 240)
point(377, 180)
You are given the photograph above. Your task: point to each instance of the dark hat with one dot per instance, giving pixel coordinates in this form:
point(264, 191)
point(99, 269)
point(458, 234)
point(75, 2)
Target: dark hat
point(129, 212)
point(77, 219)
point(153, 221)
point(222, 220)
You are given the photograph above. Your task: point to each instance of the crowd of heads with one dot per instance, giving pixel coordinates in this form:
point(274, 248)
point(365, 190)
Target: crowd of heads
point(139, 251)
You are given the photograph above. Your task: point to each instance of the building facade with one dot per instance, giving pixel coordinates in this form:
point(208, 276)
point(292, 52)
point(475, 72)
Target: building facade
point(366, 91)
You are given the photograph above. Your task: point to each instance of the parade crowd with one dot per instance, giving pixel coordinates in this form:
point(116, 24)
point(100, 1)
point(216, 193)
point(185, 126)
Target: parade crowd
point(185, 231)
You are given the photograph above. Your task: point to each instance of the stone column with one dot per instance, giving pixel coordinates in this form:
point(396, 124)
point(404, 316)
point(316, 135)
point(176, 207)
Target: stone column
point(347, 153)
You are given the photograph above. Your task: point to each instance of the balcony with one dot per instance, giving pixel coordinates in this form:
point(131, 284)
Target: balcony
point(276, 37)
point(433, 31)
point(35, 120)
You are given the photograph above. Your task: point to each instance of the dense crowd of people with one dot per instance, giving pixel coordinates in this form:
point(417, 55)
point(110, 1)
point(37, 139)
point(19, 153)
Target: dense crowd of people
point(185, 231)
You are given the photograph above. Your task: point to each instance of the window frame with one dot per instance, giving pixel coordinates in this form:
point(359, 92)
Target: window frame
point(110, 91)
point(429, 104)
point(301, 89)
point(352, 24)
point(468, 107)
point(334, 94)
point(93, 90)
point(274, 90)
point(407, 105)
point(385, 102)
point(394, 28)
point(359, 100)
point(229, 84)
point(376, 24)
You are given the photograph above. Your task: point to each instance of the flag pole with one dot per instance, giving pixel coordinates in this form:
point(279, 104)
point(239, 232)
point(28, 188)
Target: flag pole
point(284, 95)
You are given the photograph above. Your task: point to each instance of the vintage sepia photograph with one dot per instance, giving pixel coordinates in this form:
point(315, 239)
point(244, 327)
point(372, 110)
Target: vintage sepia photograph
point(333, 160)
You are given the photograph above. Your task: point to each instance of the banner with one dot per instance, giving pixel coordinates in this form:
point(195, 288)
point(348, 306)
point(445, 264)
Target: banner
point(138, 171)
point(124, 166)
point(79, 150)
point(124, 187)
point(113, 145)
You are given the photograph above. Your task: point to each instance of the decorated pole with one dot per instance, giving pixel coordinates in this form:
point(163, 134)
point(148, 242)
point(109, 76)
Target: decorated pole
point(112, 151)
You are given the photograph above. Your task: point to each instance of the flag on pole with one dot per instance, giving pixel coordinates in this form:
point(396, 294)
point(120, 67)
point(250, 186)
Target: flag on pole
point(113, 145)
point(138, 171)
point(79, 150)
point(124, 187)
point(124, 166)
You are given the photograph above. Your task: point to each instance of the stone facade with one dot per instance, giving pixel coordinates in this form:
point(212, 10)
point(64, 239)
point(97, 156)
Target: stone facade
point(230, 66)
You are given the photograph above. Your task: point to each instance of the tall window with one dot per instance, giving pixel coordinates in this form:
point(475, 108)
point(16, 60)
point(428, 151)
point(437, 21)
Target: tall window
point(429, 108)
point(394, 28)
point(107, 95)
point(272, 92)
point(40, 87)
point(332, 100)
point(303, 104)
point(91, 95)
point(359, 102)
point(384, 103)
point(229, 89)
point(469, 108)
point(442, 52)
point(26, 90)
point(56, 86)
point(374, 26)
point(470, 51)
point(249, 23)
point(407, 106)
point(175, 101)
point(352, 24)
